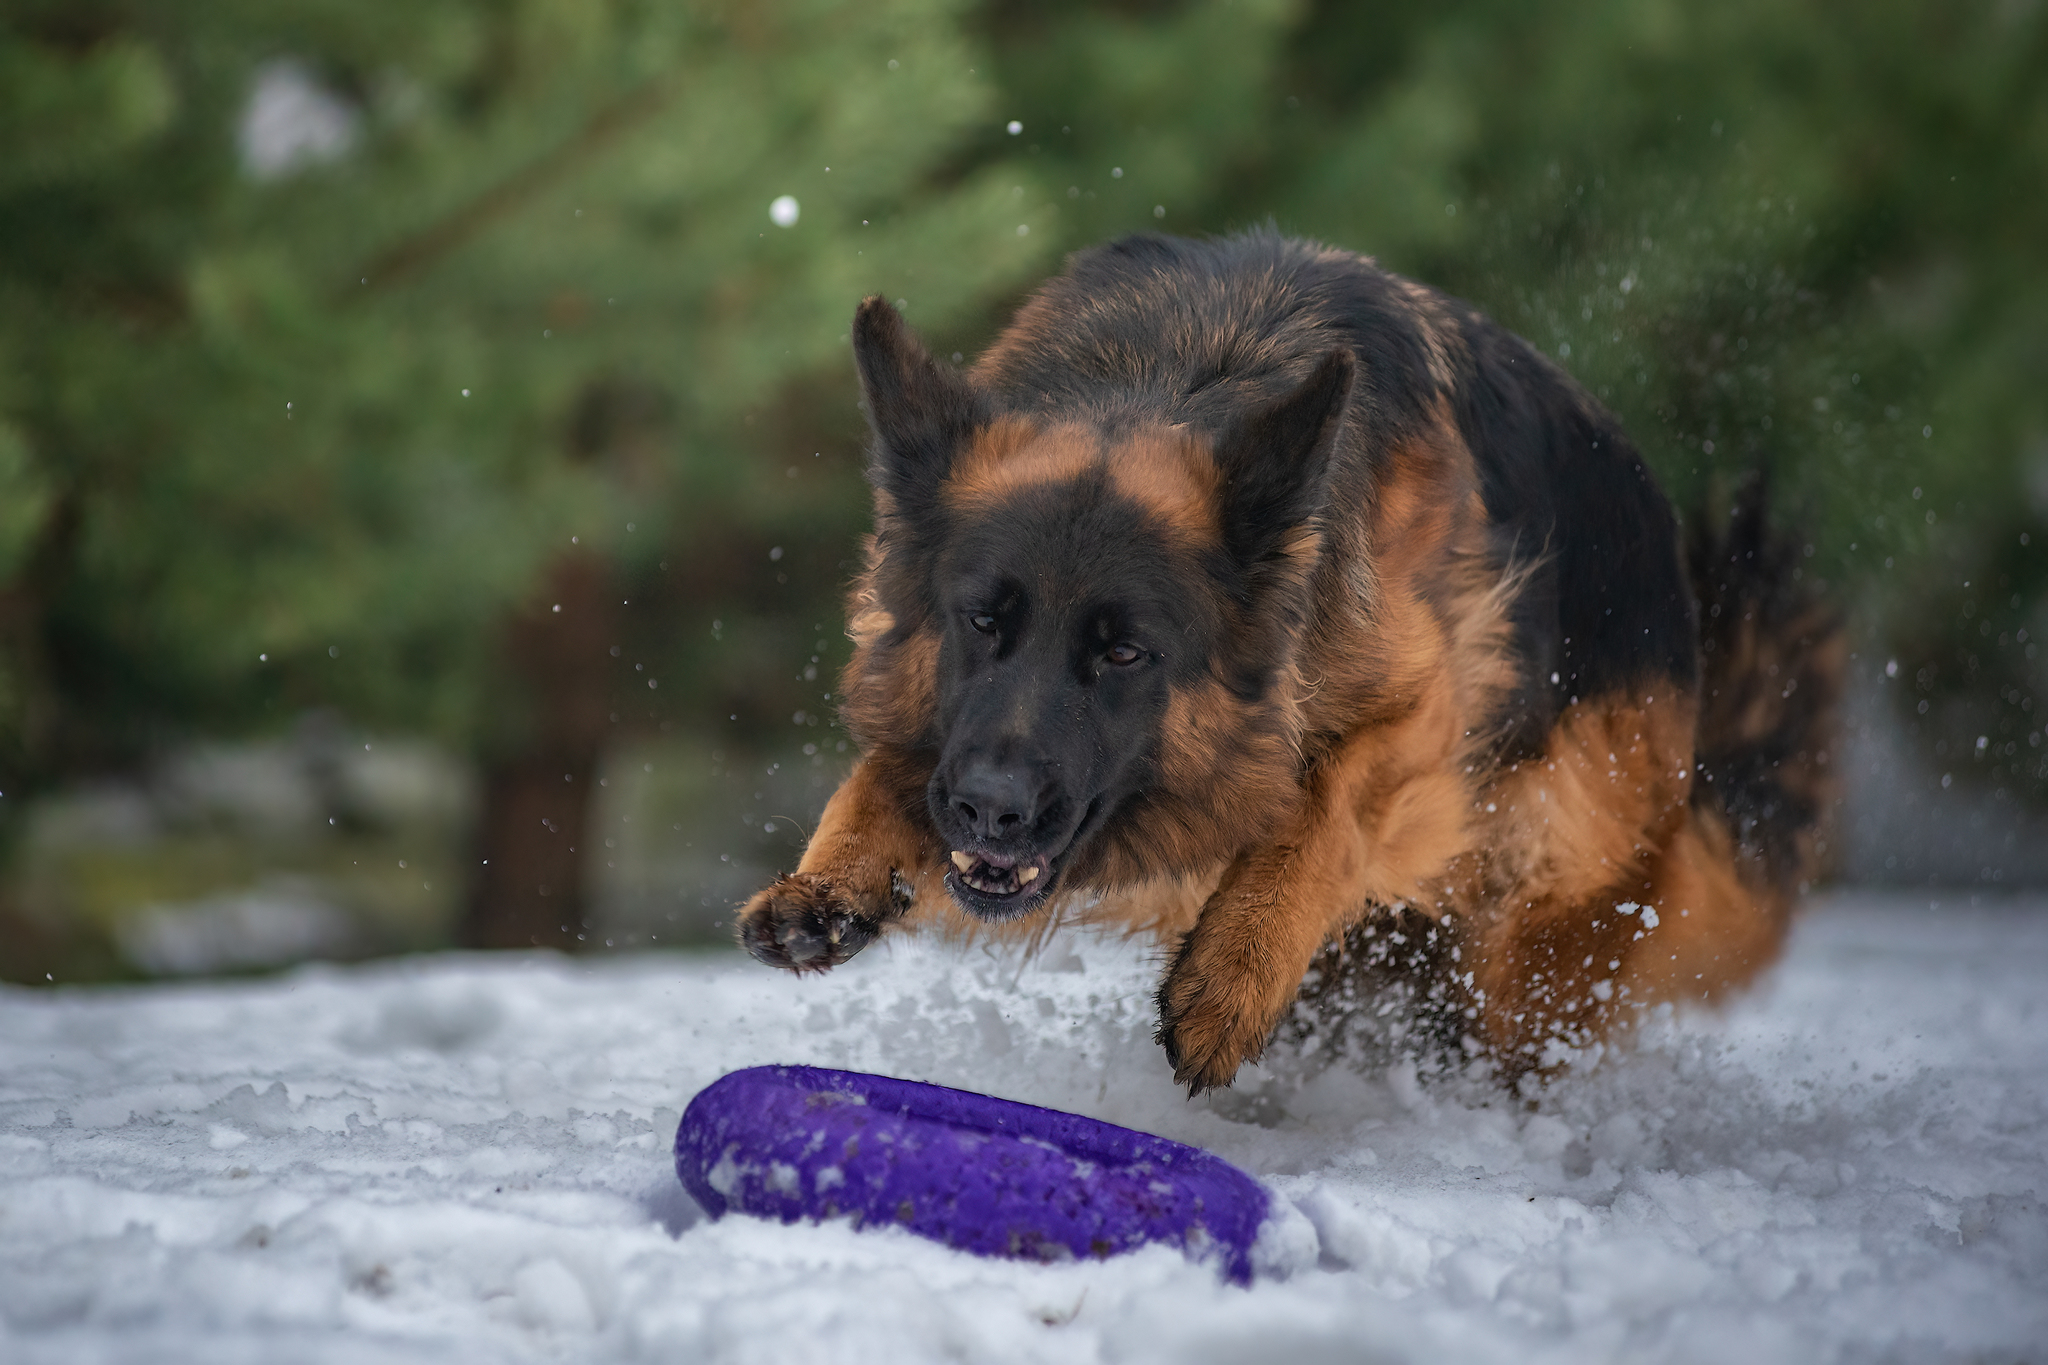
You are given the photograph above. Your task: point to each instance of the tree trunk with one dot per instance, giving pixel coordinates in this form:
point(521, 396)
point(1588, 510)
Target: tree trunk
point(527, 881)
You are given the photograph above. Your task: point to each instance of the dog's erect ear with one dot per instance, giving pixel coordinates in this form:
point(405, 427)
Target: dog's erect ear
point(1275, 461)
point(921, 411)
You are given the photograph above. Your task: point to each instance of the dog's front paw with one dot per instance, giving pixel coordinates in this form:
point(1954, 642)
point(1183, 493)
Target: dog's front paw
point(804, 923)
point(1212, 1020)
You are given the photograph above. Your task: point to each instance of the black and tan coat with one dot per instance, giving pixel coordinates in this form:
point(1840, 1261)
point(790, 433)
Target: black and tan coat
point(1242, 591)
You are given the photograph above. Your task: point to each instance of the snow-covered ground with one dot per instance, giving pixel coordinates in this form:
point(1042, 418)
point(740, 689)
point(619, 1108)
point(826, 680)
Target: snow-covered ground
point(466, 1158)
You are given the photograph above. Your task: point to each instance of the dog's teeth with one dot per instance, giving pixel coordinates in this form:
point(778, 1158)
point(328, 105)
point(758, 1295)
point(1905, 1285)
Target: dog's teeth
point(1028, 875)
point(962, 861)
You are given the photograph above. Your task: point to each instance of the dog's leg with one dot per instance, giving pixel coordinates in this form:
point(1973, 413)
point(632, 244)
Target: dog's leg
point(1544, 972)
point(1378, 819)
point(1238, 969)
point(855, 878)
point(1682, 926)
point(1716, 929)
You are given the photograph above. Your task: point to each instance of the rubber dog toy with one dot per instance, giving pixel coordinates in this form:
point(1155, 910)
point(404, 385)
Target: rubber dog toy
point(990, 1176)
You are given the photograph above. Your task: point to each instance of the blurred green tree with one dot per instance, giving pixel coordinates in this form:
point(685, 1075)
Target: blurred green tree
point(345, 351)
point(340, 345)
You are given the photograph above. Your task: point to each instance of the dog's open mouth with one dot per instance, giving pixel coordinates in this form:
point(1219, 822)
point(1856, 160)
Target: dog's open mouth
point(996, 887)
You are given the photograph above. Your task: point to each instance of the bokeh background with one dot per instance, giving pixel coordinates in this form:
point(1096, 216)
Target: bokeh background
point(429, 453)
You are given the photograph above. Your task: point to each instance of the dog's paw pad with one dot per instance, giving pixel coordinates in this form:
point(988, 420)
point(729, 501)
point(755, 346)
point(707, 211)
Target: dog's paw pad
point(802, 924)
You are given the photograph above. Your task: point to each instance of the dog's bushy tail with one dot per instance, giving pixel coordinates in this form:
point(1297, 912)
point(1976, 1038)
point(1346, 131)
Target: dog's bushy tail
point(1772, 656)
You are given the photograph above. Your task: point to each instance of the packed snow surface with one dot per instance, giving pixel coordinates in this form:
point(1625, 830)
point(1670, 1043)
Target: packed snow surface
point(467, 1158)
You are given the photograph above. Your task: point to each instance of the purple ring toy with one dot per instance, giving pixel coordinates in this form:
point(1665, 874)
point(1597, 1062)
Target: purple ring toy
point(977, 1173)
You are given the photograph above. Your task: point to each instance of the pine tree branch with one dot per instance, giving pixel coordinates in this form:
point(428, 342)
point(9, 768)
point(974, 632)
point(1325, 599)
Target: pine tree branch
point(443, 239)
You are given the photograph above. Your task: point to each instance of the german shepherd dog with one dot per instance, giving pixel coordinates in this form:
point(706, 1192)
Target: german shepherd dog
point(1244, 593)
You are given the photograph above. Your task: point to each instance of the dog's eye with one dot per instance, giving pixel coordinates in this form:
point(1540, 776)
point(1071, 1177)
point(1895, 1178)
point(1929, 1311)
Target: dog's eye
point(1123, 656)
point(982, 622)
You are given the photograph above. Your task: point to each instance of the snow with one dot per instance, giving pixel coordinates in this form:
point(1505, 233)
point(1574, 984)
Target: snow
point(293, 121)
point(462, 1157)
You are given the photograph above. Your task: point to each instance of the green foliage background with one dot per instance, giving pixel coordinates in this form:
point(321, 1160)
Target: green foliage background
point(304, 439)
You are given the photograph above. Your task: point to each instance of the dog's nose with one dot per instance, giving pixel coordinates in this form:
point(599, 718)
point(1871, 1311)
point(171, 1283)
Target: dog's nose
point(997, 802)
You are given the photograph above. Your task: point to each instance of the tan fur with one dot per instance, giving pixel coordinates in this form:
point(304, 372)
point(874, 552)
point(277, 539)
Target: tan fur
point(1165, 471)
point(1714, 931)
point(862, 869)
point(889, 702)
point(1570, 836)
point(1011, 454)
point(1609, 790)
point(1173, 477)
point(865, 836)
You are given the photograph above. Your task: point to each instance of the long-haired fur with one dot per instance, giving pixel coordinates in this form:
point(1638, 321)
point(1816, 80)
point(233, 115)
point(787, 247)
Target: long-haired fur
point(1243, 593)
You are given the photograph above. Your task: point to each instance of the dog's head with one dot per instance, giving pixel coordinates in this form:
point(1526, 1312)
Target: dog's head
point(1101, 605)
